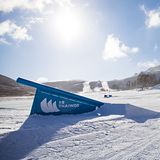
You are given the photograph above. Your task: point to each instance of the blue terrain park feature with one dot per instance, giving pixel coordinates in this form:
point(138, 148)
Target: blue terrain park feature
point(49, 100)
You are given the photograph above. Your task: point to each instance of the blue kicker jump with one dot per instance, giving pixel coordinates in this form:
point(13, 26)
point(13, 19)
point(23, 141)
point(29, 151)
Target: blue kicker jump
point(49, 100)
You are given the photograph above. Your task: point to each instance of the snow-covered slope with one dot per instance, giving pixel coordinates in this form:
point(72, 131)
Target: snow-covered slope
point(126, 128)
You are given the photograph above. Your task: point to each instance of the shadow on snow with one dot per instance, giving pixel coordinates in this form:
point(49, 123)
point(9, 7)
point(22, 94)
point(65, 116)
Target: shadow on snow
point(38, 130)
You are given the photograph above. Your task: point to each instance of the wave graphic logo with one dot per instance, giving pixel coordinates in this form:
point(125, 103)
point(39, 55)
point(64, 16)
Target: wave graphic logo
point(48, 107)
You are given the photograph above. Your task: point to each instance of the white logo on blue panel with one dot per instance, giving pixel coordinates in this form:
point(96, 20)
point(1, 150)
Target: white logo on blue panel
point(48, 107)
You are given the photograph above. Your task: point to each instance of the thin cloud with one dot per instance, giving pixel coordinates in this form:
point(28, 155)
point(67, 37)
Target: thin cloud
point(155, 47)
point(10, 5)
point(148, 64)
point(10, 29)
point(115, 49)
point(3, 41)
point(34, 20)
point(64, 3)
point(35, 5)
point(152, 17)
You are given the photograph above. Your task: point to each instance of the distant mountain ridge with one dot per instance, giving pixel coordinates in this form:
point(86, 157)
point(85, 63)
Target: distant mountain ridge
point(71, 86)
point(79, 85)
point(154, 69)
point(131, 82)
point(9, 87)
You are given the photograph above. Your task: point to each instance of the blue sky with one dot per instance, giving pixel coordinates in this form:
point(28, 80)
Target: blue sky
point(49, 40)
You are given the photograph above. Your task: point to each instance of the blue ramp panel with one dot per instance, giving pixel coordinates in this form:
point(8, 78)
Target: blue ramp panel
point(49, 100)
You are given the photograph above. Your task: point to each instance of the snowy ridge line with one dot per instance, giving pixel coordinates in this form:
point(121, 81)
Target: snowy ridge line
point(102, 119)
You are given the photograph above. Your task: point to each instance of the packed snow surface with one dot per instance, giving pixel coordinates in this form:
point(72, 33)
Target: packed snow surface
point(126, 127)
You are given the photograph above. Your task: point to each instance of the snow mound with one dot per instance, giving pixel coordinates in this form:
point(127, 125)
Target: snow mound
point(40, 133)
point(95, 86)
point(117, 130)
point(86, 87)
